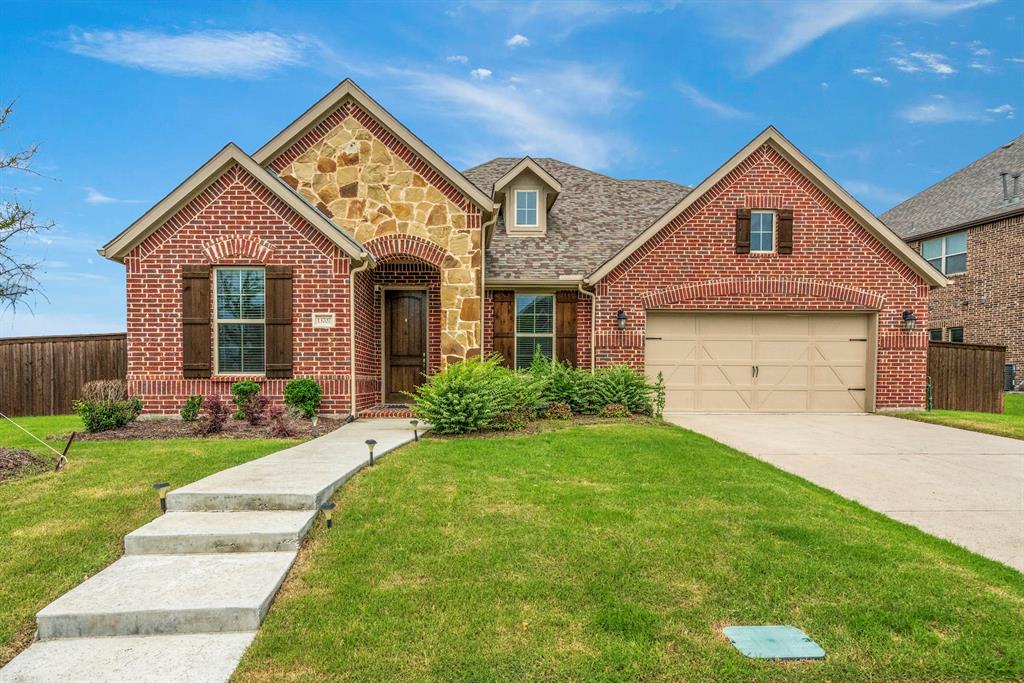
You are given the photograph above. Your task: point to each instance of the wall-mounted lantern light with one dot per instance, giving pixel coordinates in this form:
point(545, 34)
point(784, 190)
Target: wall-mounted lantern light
point(328, 510)
point(415, 429)
point(370, 443)
point(908, 320)
point(621, 318)
point(161, 489)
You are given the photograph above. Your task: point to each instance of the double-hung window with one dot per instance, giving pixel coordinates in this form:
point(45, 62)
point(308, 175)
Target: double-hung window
point(535, 327)
point(526, 208)
point(762, 231)
point(947, 253)
point(240, 322)
point(935, 334)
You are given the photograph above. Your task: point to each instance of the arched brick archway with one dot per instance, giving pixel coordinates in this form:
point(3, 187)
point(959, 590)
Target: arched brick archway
point(391, 247)
point(707, 289)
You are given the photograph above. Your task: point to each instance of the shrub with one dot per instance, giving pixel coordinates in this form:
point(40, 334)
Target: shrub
point(241, 392)
point(254, 408)
point(470, 395)
point(303, 396)
point(659, 396)
point(190, 411)
point(622, 384)
point(279, 426)
point(514, 420)
point(103, 415)
point(216, 415)
point(561, 383)
point(559, 411)
point(615, 410)
point(105, 390)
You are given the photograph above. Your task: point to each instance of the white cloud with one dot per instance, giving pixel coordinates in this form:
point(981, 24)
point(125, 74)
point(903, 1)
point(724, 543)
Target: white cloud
point(870, 193)
point(1006, 110)
point(860, 71)
point(559, 111)
point(940, 109)
point(566, 16)
point(94, 196)
point(880, 80)
point(457, 59)
point(904, 65)
point(977, 49)
point(984, 68)
point(199, 53)
point(481, 74)
point(934, 62)
point(701, 100)
point(1015, 60)
point(779, 29)
point(518, 40)
point(870, 75)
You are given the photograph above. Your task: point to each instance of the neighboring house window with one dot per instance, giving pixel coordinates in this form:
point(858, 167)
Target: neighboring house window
point(947, 253)
point(956, 334)
point(526, 208)
point(935, 334)
point(239, 307)
point(535, 327)
point(762, 231)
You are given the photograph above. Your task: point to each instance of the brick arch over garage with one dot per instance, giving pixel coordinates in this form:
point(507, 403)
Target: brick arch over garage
point(707, 289)
point(392, 247)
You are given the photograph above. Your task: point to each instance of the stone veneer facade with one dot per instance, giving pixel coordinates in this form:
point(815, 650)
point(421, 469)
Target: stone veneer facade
point(373, 186)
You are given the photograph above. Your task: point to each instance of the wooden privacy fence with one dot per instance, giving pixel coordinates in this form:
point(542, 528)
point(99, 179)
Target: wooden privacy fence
point(44, 375)
point(966, 376)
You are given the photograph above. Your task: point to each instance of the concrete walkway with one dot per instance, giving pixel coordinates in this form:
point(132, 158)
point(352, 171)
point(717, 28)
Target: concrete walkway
point(185, 601)
point(963, 486)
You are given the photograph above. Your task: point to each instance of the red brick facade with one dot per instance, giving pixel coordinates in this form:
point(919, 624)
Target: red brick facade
point(988, 300)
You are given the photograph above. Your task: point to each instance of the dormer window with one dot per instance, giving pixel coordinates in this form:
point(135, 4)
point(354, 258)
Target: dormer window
point(526, 208)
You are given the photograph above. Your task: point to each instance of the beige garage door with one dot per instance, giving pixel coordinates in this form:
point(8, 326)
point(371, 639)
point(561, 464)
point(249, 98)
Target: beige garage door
point(760, 362)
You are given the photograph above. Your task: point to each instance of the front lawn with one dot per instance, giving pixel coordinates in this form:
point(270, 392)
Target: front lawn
point(1008, 423)
point(617, 552)
point(60, 528)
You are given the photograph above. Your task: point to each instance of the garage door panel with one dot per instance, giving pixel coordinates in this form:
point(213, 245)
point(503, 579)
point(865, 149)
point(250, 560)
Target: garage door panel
point(727, 350)
point(805, 362)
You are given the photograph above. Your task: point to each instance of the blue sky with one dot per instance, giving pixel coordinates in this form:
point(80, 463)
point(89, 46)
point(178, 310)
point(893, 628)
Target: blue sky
point(128, 99)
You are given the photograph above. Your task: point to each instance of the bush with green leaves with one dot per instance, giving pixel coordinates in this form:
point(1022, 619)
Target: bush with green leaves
point(190, 411)
point(105, 414)
point(242, 393)
point(470, 395)
point(558, 411)
point(562, 383)
point(622, 384)
point(514, 420)
point(303, 396)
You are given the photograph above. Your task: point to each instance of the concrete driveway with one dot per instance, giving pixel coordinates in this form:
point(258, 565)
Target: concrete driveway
point(962, 486)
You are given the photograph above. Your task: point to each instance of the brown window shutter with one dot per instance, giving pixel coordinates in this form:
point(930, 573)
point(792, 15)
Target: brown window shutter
point(195, 318)
point(742, 231)
point(785, 231)
point(279, 321)
point(503, 327)
point(565, 330)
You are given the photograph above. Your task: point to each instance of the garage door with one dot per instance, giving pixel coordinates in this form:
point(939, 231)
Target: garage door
point(760, 362)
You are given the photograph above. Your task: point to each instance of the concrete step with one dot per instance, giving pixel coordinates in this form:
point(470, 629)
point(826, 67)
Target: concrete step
point(165, 594)
point(221, 532)
point(191, 658)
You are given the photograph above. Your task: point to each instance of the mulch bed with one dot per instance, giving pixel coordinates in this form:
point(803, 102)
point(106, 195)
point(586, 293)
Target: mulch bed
point(172, 428)
point(541, 425)
point(15, 462)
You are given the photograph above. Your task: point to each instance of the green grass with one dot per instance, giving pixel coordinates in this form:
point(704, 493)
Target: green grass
point(60, 528)
point(1008, 423)
point(617, 552)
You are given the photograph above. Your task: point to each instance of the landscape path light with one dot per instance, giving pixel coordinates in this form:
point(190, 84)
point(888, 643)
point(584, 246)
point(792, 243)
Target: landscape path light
point(161, 489)
point(328, 510)
point(415, 429)
point(370, 443)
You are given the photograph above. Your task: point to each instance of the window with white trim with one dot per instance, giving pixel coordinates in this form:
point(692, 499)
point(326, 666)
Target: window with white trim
point(935, 334)
point(526, 208)
point(535, 327)
point(240, 336)
point(956, 334)
point(762, 231)
point(947, 253)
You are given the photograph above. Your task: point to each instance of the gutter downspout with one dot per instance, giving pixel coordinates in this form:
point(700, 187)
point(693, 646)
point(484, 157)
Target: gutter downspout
point(593, 324)
point(483, 270)
point(367, 262)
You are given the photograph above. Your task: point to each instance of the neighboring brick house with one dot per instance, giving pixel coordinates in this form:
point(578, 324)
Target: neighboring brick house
point(970, 226)
point(347, 250)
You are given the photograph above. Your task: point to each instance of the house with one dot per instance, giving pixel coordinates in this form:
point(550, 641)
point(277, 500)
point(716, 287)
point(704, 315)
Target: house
point(970, 226)
point(347, 250)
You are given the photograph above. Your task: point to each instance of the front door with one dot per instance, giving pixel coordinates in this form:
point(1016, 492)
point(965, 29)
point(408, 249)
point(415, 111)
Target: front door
point(405, 342)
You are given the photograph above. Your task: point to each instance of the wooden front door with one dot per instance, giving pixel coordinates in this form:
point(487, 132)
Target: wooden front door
point(405, 342)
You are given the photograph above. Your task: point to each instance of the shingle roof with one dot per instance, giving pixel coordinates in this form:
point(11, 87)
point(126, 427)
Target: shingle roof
point(592, 219)
point(973, 193)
